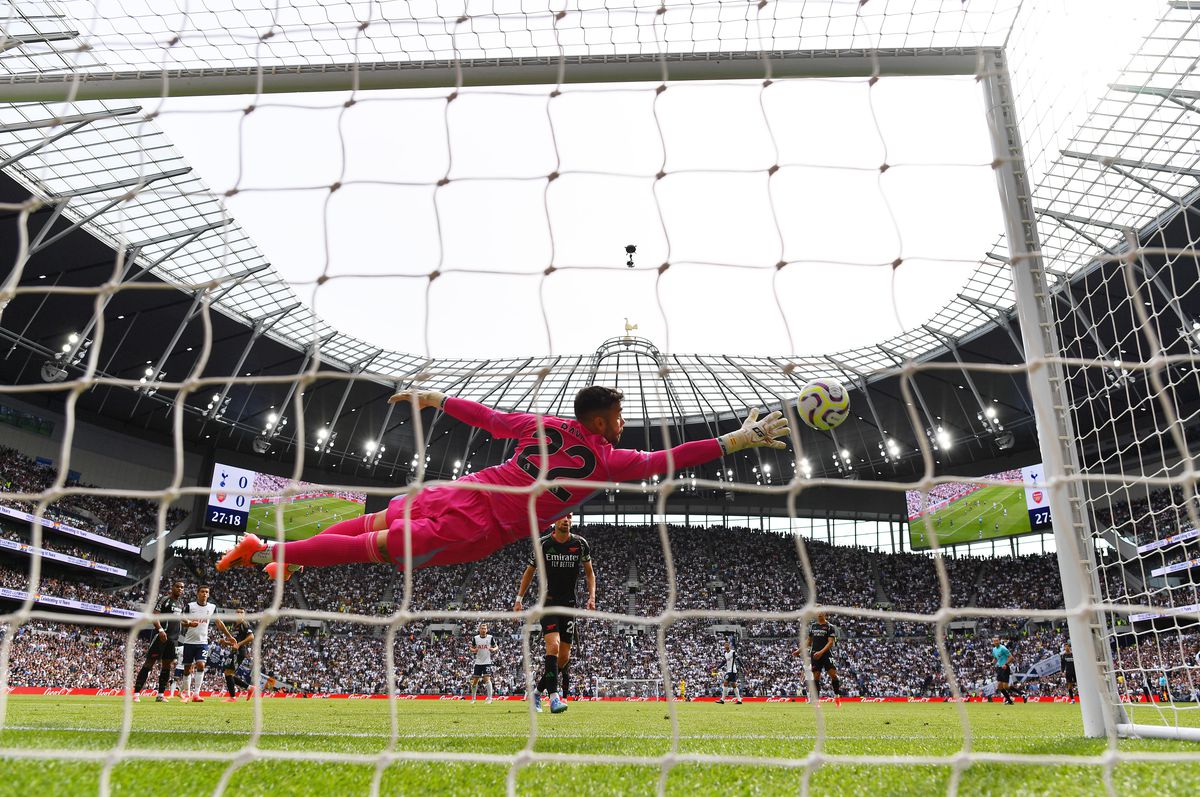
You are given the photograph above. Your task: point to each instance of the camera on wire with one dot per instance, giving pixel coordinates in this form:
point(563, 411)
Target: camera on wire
point(630, 250)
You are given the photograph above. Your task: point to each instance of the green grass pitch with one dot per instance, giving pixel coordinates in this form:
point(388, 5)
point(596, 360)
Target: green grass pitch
point(298, 524)
point(759, 730)
point(958, 521)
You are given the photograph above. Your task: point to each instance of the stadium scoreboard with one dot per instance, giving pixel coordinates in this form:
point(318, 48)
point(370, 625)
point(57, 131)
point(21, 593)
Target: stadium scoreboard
point(229, 499)
point(1037, 501)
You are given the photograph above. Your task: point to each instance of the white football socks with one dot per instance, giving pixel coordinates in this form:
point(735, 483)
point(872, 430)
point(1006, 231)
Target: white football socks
point(489, 687)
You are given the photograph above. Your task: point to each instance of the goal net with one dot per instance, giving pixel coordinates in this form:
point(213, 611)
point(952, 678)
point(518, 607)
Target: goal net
point(629, 688)
point(995, 254)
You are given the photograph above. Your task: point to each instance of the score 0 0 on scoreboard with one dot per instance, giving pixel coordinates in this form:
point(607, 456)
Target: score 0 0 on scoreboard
point(228, 503)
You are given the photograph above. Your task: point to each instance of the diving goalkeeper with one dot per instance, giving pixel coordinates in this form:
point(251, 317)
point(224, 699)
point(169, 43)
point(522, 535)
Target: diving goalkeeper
point(451, 524)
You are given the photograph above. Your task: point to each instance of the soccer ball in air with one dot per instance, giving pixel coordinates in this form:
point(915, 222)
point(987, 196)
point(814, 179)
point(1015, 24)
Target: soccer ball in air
point(823, 404)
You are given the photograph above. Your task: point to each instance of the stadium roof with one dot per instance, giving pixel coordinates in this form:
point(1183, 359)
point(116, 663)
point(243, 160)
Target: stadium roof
point(106, 166)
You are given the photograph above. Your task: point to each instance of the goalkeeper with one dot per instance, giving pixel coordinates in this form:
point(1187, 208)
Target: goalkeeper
point(452, 524)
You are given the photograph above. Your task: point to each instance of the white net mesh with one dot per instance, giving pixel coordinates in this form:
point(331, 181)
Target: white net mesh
point(751, 198)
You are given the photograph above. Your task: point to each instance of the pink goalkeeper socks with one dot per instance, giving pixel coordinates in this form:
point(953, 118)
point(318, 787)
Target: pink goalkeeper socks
point(327, 549)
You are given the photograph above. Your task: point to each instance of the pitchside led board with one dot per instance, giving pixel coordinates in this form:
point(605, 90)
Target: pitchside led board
point(964, 512)
point(228, 504)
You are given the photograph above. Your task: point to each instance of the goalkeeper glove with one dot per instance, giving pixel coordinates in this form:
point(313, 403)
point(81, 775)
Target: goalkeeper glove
point(755, 433)
point(424, 398)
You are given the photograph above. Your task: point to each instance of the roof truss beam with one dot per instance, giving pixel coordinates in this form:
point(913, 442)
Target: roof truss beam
point(1133, 163)
point(1186, 94)
point(128, 182)
point(952, 345)
point(1178, 96)
point(1074, 219)
point(236, 280)
point(73, 127)
point(1152, 188)
point(194, 231)
point(94, 116)
point(21, 39)
point(1076, 228)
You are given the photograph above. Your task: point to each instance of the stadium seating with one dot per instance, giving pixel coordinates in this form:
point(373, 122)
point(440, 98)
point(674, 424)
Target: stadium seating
point(127, 520)
point(716, 568)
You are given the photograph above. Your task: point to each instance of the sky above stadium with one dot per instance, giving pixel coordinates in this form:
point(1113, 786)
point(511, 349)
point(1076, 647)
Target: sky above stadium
point(498, 224)
point(830, 211)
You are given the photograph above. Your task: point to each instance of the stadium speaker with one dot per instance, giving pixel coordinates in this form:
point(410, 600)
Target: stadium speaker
point(261, 445)
point(1005, 441)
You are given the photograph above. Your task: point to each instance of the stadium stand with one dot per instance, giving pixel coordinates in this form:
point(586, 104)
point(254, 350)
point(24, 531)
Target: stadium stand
point(128, 520)
point(1145, 520)
point(718, 568)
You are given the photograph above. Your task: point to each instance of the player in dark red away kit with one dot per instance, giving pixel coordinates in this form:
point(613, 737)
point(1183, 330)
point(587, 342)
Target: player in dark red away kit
point(451, 524)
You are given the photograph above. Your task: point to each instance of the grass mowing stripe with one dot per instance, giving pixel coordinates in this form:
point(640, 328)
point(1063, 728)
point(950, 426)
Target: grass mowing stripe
point(880, 745)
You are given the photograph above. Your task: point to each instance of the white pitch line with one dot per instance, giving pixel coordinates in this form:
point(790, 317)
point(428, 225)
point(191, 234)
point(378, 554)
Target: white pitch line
point(467, 734)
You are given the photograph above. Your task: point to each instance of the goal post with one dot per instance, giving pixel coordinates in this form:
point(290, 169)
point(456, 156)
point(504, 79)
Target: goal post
point(1090, 626)
point(1076, 555)
point(679, 588)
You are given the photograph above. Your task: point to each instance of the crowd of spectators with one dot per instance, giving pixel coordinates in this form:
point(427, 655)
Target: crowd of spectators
point(71, 656)
point(716, 569)
point(1174, 655)
point(1134, 585)
point(1031, 583)
point(1162, 513)
point(128, 520)
point(59, 544)
point(609, 661)
point(59, 588)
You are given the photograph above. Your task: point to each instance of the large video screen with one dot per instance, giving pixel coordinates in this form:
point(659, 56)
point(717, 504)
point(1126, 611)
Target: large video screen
point(313, 508)
point(965, 512)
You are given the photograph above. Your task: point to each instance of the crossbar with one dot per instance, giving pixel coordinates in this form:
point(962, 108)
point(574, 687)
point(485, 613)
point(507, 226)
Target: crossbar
point(496, 72)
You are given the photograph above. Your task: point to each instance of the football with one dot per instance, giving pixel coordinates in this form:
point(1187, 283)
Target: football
point(823, 404)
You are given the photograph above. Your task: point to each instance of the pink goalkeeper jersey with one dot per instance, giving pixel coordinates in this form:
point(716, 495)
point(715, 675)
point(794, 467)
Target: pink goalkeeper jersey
point(574, 453)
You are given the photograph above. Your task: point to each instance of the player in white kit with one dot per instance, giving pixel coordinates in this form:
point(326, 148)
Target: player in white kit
point(195, 643)
point(731, 675)
point(482, 646)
